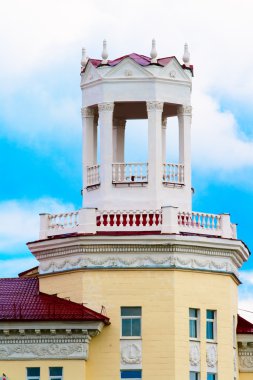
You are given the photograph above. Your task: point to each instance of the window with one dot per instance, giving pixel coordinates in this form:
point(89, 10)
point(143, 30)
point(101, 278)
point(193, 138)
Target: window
point(55, 373)
point(194, 323)
point(210, 324)
point(131, 321)
point(131, 374)
point(194, 375)
point(211, 376)
point(33, 373)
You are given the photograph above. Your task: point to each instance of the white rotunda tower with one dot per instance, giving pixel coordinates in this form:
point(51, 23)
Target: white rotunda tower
point(135, 87)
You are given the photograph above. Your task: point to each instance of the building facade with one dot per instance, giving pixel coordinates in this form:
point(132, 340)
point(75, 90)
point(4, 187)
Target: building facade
point(166, 276)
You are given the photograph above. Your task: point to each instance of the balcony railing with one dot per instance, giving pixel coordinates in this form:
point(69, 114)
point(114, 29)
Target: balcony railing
point(136, 220)
point(129, 173)
point(167, 220)
point(173, 173)
point(200, 222)
point(93, 175)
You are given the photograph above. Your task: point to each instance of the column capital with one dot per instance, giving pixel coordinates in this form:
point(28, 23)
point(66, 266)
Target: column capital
point(184, 110)
point(102, 107)
point(154, 105)
point(87, 112)
point(119, 122)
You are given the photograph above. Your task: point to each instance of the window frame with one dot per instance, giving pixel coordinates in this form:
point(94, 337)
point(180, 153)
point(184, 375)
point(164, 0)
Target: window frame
point(214, 322)
point(196, 373)
point(130, 317)
point(55, 377)
point(197, 319)
point(213, 374)
point(131, 370)
point(32, 377)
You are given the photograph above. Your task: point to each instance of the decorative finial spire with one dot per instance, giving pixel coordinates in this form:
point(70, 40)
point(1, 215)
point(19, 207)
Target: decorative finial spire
point(186, 56)
point(153, 53)
point(104, 53)
point(84, 59)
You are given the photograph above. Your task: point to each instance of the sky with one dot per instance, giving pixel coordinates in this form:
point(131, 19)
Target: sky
point(40, 100)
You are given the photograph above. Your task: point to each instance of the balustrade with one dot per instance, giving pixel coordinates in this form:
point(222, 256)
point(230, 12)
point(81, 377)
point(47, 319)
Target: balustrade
point(129, 173)
point(173, 173)
point(60, 223)
point(199, 221)
point(92, 221)
point(129, 220)
point(93, 175)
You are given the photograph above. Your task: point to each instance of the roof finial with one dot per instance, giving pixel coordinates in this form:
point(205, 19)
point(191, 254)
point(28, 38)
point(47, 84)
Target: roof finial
point(153, 53)
point(84, 59)
point(186, 56)
point(104, 53)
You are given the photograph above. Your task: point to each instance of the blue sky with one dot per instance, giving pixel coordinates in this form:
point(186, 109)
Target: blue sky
point(40, 100)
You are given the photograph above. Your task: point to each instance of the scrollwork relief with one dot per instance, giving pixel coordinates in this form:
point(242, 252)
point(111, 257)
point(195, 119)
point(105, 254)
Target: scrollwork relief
point(194, 355)
point(211, 356)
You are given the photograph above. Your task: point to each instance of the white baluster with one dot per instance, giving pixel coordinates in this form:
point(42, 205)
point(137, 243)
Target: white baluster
point(141, 173)
point(121, 218)
point(141, 218)
point(134, 219)
point(127, 219)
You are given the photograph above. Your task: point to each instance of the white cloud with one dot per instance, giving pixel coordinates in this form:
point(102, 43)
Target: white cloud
point(12, 268)
point(217, 142)
point(20, 221)
point(39, 36)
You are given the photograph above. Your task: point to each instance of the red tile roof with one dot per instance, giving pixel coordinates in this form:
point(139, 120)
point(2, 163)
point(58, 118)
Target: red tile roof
point(244, 326)
point(138, 58)
point(20, 299)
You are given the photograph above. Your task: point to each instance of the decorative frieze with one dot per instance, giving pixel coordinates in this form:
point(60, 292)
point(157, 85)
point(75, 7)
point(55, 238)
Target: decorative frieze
point(245, 356)
point(44, 347)
point(135, 259)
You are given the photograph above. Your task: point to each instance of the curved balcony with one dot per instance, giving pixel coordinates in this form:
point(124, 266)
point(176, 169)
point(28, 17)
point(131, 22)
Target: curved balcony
point(135, 172)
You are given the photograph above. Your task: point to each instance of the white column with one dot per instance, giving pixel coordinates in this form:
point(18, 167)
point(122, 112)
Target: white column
point(184, 124)
point(95, 139)
point(155, 110)
point(164, 128)
point(88, 140)
point(119, 140)
point(105, 111)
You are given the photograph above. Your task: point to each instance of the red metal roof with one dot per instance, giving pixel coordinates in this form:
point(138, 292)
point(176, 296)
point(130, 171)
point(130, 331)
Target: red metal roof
point(20, 299)
point(138, 58)
point(244, 326)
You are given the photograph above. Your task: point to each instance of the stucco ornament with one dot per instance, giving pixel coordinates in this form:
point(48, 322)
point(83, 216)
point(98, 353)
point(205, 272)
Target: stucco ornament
point(131, 354)
point(246, 360)
point(194, 355)
point(211, 356)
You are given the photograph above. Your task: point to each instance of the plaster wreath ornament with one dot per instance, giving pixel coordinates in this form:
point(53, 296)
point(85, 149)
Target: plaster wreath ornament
point(131, 354)
point(194, 355)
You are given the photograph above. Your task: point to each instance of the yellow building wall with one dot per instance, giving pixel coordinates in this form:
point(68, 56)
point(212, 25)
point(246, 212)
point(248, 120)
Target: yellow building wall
point(245, 376)
point(72, 369)
point(165, 297)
